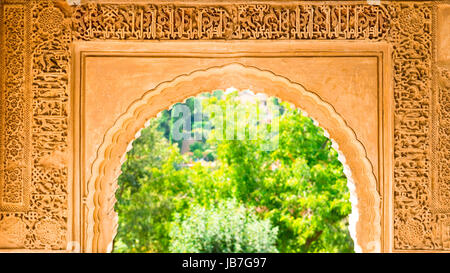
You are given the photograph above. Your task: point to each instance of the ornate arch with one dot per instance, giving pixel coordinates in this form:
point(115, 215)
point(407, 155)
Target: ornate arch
point(102, 220)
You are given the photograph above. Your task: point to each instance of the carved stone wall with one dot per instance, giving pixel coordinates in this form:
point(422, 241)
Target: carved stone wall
point(35, 72)
point(35, 114)
point(441, 180)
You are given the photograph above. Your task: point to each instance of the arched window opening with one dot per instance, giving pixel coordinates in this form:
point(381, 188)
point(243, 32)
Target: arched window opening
point(233, 171)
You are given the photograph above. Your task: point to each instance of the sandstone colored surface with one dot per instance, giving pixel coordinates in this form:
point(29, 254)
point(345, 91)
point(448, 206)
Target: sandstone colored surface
point(80, 79)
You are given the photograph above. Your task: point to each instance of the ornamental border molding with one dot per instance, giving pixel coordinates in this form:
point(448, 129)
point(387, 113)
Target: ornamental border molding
point(407, 26)
point(102, 219)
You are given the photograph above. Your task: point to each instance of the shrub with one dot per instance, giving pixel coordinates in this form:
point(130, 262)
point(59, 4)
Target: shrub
point(223, 228)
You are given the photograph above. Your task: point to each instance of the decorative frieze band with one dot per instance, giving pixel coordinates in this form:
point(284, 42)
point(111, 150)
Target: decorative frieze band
point(249, 21)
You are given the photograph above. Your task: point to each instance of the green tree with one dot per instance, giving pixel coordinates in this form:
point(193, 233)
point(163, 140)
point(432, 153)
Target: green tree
point(149, 190)
point(223, 228)
point(299, 186)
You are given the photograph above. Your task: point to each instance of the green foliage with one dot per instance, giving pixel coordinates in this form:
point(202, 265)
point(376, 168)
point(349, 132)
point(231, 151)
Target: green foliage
point(298, 188)
point(290, 184)
point(222, 228)
point(147, 194)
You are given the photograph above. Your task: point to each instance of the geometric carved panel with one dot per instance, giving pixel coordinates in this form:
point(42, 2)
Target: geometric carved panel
point(15, 155)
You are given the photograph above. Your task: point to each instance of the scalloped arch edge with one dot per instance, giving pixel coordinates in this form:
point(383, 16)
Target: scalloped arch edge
point(365, 220)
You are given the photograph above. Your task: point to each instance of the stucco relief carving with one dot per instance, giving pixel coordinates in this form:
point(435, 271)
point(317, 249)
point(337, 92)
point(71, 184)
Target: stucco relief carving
point(441, 182)
point(15, 173)
point(442, 192)
point(35, 95)
point(411, 35)
point(38, 38)
point(245, 21)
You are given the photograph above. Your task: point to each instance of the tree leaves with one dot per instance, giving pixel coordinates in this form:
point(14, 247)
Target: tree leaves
point(299, 189)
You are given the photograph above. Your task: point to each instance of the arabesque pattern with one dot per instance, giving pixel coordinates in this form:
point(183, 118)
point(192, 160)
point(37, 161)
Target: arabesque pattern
point(38, 38)
point(257, 21)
